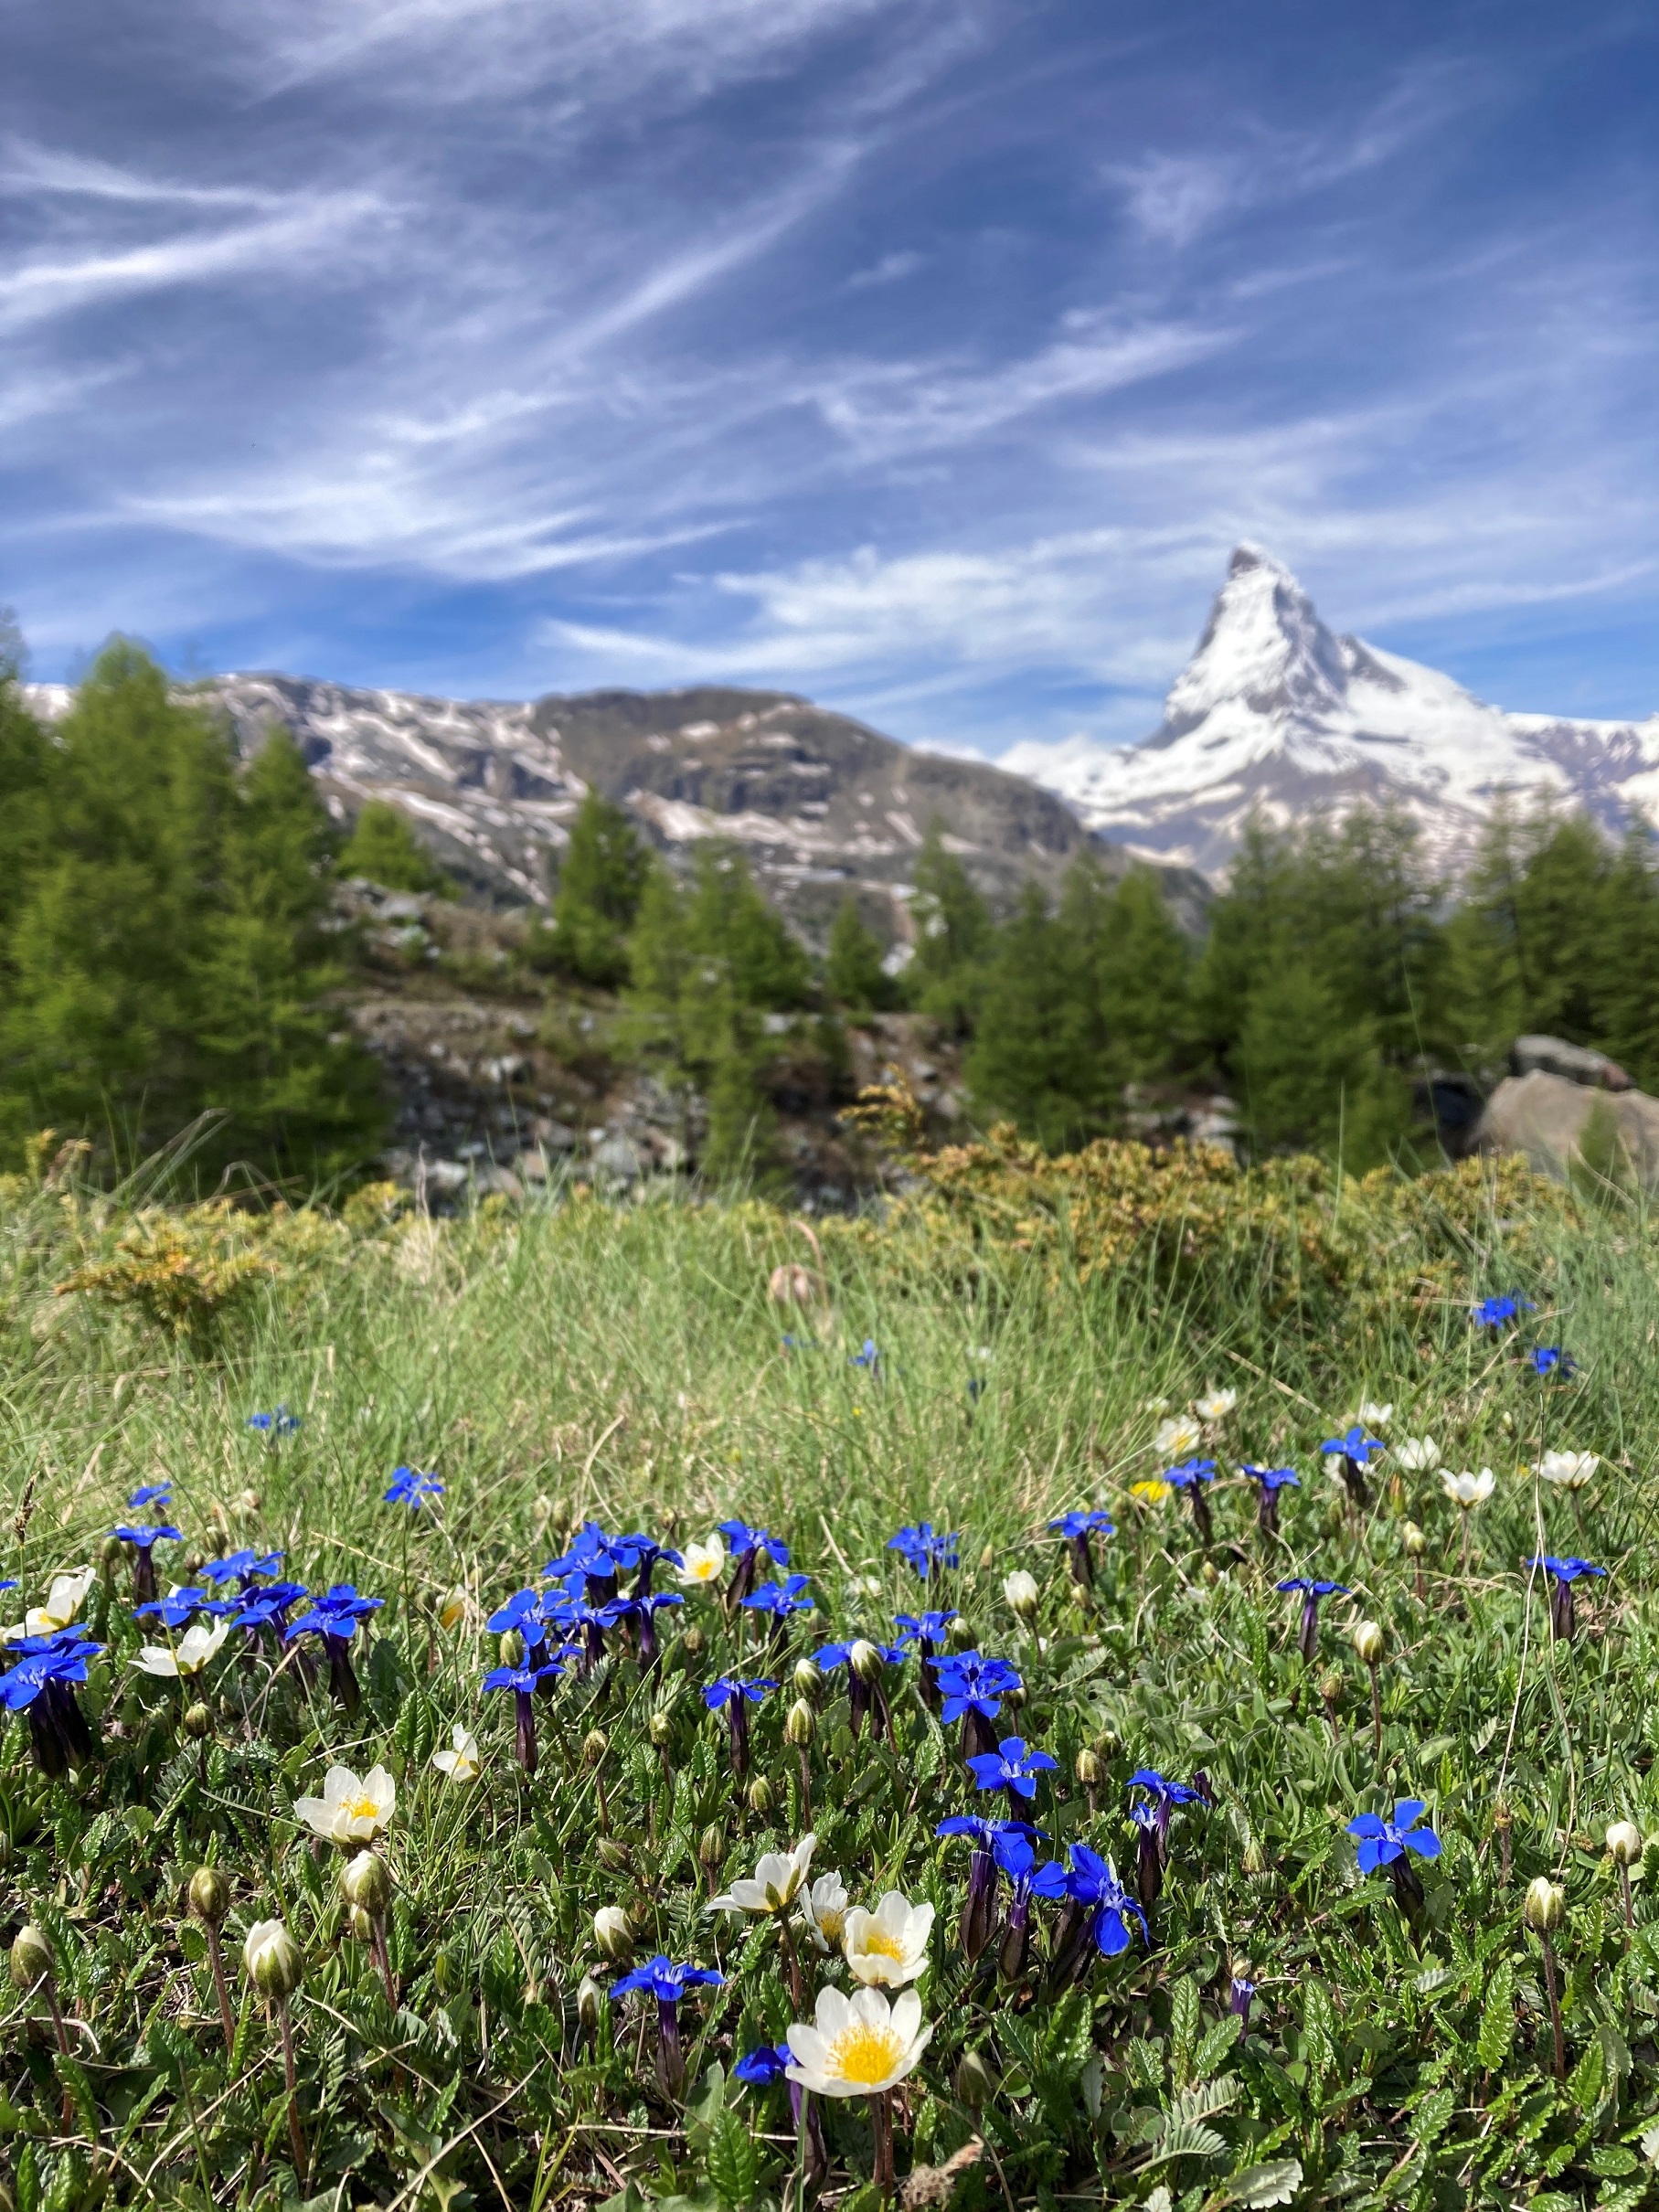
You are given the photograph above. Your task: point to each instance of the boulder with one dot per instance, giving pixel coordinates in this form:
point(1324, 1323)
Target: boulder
point(1575, 1063)
point(1555, 1121)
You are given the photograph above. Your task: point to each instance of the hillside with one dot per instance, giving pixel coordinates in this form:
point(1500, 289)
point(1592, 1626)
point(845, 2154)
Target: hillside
point(1277, 712)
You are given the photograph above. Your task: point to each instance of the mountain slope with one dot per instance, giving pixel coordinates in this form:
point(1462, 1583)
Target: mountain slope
point(1275, 711)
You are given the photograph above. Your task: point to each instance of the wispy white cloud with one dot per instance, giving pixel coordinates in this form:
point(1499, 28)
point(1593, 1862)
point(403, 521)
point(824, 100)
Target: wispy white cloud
point(891, 268)
point(29, 168)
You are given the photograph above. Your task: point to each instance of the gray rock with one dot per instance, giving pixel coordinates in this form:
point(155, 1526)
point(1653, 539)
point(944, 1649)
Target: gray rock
point(617, 1159)
point(1548, 1119)
point(1554, 1056)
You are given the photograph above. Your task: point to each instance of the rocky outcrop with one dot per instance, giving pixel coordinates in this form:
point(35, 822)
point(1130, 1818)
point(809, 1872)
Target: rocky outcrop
point(1564, 1126)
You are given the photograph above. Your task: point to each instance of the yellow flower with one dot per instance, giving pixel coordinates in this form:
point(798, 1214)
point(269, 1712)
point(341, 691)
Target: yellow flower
point(349, 1810)
point(1151, 1489)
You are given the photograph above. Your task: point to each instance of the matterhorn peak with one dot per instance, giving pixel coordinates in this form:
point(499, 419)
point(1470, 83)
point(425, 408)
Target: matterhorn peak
point(1277, 717)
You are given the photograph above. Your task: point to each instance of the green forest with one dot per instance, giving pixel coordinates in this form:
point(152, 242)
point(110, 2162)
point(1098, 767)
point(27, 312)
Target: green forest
point(172, 961)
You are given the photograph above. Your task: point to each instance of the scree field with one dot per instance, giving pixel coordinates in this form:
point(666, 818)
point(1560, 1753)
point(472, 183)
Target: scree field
point(711, 1777)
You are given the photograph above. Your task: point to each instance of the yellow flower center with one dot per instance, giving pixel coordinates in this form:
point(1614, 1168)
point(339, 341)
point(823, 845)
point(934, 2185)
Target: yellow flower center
point(360, 1808)
point(882, 1946)
point(703, 1570)
point(832, 1924)
point(864, 2053)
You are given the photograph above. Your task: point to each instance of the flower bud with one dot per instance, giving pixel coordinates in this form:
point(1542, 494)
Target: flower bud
point(613, 1856)
point(660, 1728)
point(1209, 1574)
point(866, 1661)
point(247, 1505)
point(800, 1724)
point(273, 1960)
point(1414, 1540)
point(595, 1744)
point(512, 1647)
point(987, 1558)
point(589, 2002)
point(1331, 1687)
point(1089, 1768)
point(451, 1609)
point(367, 1885)
point(193, 1565)
point(32, 1959)
point(1369, 1641)
point(760, 1797)
point(976, 2081)
point(1016, 1697)
point(962, 1635)
point(1624, 1843)
point(1021, 1591)
point(1544, 1906)
point(209, 1894)
point(109, 1551)
point(808, 1678)
point(692, 1642)
point(197, 1720)
point(614, 1933)
point(361, 1923)
point(1253, 1857)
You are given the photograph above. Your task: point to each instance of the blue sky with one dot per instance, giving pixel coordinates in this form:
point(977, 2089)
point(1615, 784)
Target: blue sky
point(926, 358)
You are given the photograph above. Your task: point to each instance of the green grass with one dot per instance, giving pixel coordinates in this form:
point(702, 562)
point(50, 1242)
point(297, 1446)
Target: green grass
point(625, 1365)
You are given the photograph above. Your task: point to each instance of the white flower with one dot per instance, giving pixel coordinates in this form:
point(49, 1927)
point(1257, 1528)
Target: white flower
point(704, 1563)
point(460, 1762)
point(776, 1883)
point(824, 1911)
point(188, 1656)
point(1370, 1415)
point(63, 1602)
point(349, 1810)
point(1469, 1490)
point(1177, 1438)
point(1215, 1405)
point(1416, 1454)
point(857, 2046)
point(890, 1944)
point(1569, 1470)
point(1022, 1593)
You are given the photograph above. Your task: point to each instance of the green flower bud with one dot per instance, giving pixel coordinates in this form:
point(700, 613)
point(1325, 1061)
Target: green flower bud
point(1253, 1857)
point(1623, 1843)
point(595, 1744)
point(800, 1724)
point(692, 1643)
point(977, 2081)
point(660, 1728)
point(209, 1894)
point(808, 1678)
point(711, 1845)
point(1022, 1595)
point(962, 1635)
point(511, 1648)
point(367, 1885)
point(1544, 1906)
point(1369, 1641)
point(1089, 1768)
point(1414, 1540)
point(32, 1959)
point(614, 1856)
point(361, 1923)
point(589, 2002)
point(109, 1551)
point(760, 1797)
point(197, 1721)
point(614, 1933)
point(865, 1660)
point(273, 1960)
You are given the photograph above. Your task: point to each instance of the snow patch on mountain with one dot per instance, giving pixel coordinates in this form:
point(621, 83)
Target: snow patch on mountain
point(1276, 714)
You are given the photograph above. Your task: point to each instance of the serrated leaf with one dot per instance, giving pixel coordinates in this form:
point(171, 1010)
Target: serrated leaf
point(1274, 2182)
point(1184, 2139)
point(1070, 2041)
point(1182, 2029)
point(1203, 2101)
point(1496, 2036)
point(1218, 2039)
point(1584, 2083)
point(734, 2162)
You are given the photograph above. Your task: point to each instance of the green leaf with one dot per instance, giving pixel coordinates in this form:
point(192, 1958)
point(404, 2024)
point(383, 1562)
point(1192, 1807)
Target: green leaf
point(1070, 2041)
point(1182, 2029)
point(1218, 2039)
point(1496, 2036)
point(734, 2162)
point(1584, 2083)
point(1274, 2182)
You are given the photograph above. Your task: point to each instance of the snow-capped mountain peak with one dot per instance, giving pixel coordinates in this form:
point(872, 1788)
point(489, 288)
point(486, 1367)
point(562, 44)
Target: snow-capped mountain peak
point(1277, 714)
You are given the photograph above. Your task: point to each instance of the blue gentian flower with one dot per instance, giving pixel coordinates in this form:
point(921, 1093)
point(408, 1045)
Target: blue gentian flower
point(1012, 1766)
point(973, 1688)
point(175, 1608)
point(927, 1631)
point(1191, 1475)
point(600, 1561)
point(735, 1695)
point(410, 1487)
point(765, 2066)
point(928, 1549)
point(151, 1494)
point(1238, 1997)
point(1076, 1528)
point(749, 1547)
point(538, 1673)
point(667, 1983)
point(641, 1613)
point(1493, 1312)
point(642, 1553)
point(1563, 1574)
point(1270, 1481)
point(41, 1684)
point(1385, 1844)
point(1355, 1451)
point(1307, 1635)
point(240, 1567)
point(979, 1908)
point(1015, 1855)
point(867, 1355)
point(865, 1661)
point(1093, 1885)
point(1549, 1359)
point(1152, 1821)
point(781, 1599)
point(142, 1535)
point(280, 1423)
point(268, 1607)
point(334, 1616)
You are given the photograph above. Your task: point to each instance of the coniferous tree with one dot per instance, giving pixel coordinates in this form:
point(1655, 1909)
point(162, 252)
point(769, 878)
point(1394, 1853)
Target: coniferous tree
point(601, 882)
point(1624, 974)
point(383, 849)
point(853, 972)
point(953, 935)
point(1031, 1060)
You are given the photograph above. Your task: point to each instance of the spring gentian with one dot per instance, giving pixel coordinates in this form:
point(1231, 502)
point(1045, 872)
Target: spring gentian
point(1239, 1995)
point(1098, 1909)
point(1549, 1359)
point(927, 1632)
point(1015, 1855)
point(973, 1688)
point(280, 1423)
point(866, 1663)
point(335, 1617)
point(779, 1600)
point(667, 1983)
point(1307, 1635)
point(1166, 1796)
point(759, 2068)
point(175, 1608)
point(979, 1908)
point(409, 1487)
point(240, 1567)
point(1493, 1312)
point(158, 1497)
point(1014, 1768)
point(1270, 1481)
point(866, 1357)
point(1077, 1528)
point(593, 1556)
point(540, 1671)
point(268, 1608)
point(142, 1535)
point(748, 1547)
point(1385, 1843)
point(641, 1613)
point(1563, 1574)
point(927, 1548)
point(1355, 1451)
point(733, 1694)
point(642, 1554)
point(1191, 1476)
point(42, 1683)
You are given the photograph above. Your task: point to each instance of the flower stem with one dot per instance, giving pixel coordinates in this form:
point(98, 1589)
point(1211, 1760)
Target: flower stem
point(1375, 1716)
point(296, 2134)
point(1630, 1918)
point(227, 2018)
point(1554, 2005)
point(788, 1942)
point(882, 2113)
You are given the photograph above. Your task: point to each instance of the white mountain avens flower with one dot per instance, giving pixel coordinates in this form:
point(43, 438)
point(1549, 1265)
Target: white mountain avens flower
point(188, 1656)
point(824, 1911)
point(1416, 1454)
point(890, 1944)
point(1370, 1415)
point(1177, 1438)
point(63, 1600)
point(1215, 1404)
point(460, 1760)
point(349, 1810)
point(703, 1564)
point(776, 1883)
point(1469, 1490)
point(857, 2046)
point(1568, 1470)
